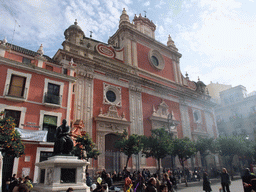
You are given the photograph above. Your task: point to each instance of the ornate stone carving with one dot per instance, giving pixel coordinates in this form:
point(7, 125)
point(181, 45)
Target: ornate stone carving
point(162, 118)
point(115, 92)
point(49, 176)
point(112, 113)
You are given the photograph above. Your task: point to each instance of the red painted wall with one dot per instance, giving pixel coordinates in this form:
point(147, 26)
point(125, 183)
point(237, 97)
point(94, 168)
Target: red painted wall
point(144, 63)
point(148, 101)
point(98, 102)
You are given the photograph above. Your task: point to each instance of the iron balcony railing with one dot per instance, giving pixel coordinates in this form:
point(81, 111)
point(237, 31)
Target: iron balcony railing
point(18, 89)
point(52, 99)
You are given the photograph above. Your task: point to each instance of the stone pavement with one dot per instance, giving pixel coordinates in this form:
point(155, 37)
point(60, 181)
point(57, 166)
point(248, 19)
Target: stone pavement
point(236, 186)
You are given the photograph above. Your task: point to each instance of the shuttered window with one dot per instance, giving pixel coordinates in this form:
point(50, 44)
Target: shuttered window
point(17, 86)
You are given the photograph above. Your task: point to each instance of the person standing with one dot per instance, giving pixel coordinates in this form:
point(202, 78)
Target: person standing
point(247, 180)
point(166, 181)
point(14, 182)
point(206, 183)
point(151, 185)
point(225, 180)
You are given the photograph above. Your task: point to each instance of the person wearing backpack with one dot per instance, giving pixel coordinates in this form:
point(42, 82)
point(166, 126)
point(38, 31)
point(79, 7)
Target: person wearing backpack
point(88, 180)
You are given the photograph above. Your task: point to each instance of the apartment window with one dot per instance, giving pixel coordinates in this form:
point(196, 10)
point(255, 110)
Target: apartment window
point(53, 94)
point(53, 91)
point(17, 86)
point(50, 125)
point(14, 114)
point(26, 60)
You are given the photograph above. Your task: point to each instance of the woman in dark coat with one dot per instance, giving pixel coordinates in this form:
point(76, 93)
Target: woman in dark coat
point(225, 180)
point(206, 183)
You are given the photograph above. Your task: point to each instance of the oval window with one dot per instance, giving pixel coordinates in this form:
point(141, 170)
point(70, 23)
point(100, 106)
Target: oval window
point(155, 61)
point(111, 96)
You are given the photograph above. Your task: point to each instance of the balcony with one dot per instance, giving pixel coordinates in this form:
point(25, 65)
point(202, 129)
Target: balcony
point(16, 93)
point(51, 100)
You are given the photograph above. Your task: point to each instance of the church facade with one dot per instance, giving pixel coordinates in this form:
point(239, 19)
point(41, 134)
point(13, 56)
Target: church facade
point(134, 82)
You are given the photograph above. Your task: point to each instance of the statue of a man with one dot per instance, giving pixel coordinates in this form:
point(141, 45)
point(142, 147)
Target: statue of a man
point(63, 143)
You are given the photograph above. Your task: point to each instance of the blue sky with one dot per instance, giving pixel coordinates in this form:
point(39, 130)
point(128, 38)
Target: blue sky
point(215, 37)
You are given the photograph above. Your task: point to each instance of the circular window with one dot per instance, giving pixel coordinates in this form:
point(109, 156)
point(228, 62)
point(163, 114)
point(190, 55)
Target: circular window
point(111, 96)
point(154, 61)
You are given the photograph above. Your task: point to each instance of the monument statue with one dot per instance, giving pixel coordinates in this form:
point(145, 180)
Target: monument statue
point(63, 144)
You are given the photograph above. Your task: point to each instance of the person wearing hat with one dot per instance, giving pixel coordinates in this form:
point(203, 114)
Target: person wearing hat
point(98, 185)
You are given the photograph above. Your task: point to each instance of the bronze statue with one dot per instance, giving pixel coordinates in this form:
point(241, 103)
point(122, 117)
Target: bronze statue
point(63, 144)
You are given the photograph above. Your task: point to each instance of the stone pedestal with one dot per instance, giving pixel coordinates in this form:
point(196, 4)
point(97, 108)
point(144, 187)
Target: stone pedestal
point(59, 173)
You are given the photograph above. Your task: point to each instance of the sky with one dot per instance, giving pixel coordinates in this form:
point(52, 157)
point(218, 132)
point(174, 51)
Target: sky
point(217, 38)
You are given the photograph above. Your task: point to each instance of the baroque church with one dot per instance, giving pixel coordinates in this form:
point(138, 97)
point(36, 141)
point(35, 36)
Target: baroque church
point(134, 82)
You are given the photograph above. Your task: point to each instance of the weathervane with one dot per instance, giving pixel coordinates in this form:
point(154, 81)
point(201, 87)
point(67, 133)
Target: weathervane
point(145, 13)
point(91, 34)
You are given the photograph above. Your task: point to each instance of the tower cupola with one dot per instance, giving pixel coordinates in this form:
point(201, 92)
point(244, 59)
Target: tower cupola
point(144, 25)
point(74, 33)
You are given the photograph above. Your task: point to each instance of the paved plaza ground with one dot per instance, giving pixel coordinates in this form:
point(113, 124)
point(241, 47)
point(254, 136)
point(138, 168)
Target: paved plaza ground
point(236, 186)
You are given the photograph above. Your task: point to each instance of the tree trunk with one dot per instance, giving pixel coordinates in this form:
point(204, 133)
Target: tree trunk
point(184, 174)
point(127, 160)
point(158, 168)
point(231, 166)
point(186, 182)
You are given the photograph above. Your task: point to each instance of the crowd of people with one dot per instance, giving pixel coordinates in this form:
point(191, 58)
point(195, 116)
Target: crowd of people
point(137, 181)
point(21, 184)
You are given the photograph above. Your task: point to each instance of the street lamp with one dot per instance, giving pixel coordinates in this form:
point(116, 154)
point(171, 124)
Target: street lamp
point(171, 126)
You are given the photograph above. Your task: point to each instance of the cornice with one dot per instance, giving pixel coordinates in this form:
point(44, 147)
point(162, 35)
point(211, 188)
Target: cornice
point(36, 69)
point(115, 67)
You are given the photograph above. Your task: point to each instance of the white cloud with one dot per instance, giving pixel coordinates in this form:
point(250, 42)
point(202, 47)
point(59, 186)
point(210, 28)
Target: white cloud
point(160, 3)
point(146, 4)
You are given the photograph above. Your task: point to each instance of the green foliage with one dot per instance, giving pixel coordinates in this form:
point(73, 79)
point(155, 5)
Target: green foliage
point(158, 145)
point(230, 145)
point(204, 145)
point(129, 145)
point(184, 148)
point(85, 144)
point(9, 137)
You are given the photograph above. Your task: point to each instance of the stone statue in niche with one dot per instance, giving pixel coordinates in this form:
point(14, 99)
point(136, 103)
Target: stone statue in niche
point(63, 144)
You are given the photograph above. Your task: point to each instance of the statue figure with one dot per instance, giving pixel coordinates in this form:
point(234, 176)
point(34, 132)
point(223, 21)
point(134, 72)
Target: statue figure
point(63, 143)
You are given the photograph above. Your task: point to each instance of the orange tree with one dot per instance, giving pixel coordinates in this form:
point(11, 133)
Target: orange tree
point(10, 141)
point(85, 148)
point(184, 148)
point(129, 145)
point(158, 146)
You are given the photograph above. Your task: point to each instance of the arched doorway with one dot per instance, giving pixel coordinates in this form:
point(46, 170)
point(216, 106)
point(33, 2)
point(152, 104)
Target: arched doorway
point(112, 155)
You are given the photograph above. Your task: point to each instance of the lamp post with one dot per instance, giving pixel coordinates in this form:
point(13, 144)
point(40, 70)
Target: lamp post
point(171, 126)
